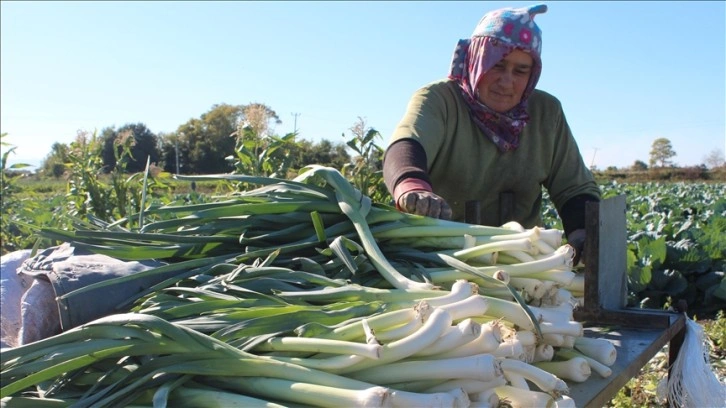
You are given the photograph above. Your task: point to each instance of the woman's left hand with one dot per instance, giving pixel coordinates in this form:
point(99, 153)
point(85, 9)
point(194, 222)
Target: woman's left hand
point(576, 239)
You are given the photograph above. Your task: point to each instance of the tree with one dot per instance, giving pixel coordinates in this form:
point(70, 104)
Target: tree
point(204, 143)
point(324, 153)
point(715, 159)
point(639, 165)
point(144, 145)
point(54, 163)
point(661, 152)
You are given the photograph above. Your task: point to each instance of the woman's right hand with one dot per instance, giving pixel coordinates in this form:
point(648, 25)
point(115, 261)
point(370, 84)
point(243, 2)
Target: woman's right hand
point(424, 203)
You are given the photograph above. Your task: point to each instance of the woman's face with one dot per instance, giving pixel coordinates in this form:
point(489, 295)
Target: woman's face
point(501, 88)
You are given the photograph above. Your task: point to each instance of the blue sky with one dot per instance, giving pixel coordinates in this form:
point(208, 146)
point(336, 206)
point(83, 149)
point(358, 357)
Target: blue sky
point(626, 72)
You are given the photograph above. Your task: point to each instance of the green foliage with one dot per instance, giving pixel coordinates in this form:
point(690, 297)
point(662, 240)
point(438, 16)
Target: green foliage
point(54, 164)
point(675, 240)
point(13, 234)
point(204, 143)
point(111, 198)
point(268, 156)
point(365, 172)
point(324, 153)
point(144, 146)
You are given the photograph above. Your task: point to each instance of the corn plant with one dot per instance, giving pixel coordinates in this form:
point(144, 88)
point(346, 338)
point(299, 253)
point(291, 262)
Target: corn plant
point(89, 195)
point(365, 172)
point(260, 155)
point(14, 235)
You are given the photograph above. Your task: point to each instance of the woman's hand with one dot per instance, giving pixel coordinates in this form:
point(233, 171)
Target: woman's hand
point(424, 203)
point(576, 239)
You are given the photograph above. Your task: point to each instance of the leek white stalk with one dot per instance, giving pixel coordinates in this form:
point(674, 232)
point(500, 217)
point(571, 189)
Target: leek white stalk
point(523, 244)
point(335, 362)
point(516, 380)
point(455, 336)
point(414, 386)
point(543, 247)
point(477, 404)
point(565, 401)
point(553, 339)
point(552, 236)
point(441, 399)
point(600, 368)
point(575, 369)
point(469, 386)
point(514, 226)
point(519, 398)
point(470, 307)
point(568, 342)
point(401, 331)
point(511, 312)
point(562, 277)
point(577, 284)
point(599, 349)
point(567, 328)
point(543, 352)
point(487, 341)
point(460, 290)
point(437, 324)
point(381, 322)
point(200, 397)
point(534, 288)
point(316, 345)
point(526, 337)
point(333, 397)
point(554, 314)
point(482, 367)
point(331, 364)
point(560, 260)
point(510, 348)
point(514, 257)
point(488, 397)
point(558, 296)
point(546, 381)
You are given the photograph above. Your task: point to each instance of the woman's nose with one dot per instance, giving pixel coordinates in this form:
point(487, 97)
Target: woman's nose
point(506, 78)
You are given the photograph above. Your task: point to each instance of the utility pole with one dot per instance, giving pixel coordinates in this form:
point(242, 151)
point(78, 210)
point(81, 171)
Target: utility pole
point(592, 162)
point(295, 121)
point(176, 147)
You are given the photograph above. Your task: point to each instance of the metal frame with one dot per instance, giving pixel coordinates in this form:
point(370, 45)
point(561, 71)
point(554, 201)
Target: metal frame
point(637, 333)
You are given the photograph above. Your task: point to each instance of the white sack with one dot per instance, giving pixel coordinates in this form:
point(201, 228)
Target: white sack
point(12, 288)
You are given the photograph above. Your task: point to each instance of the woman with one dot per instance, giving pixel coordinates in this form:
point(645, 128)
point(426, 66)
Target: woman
point(486, 135)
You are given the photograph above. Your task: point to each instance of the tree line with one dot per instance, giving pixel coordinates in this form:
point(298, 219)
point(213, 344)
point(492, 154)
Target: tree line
point(224, 139)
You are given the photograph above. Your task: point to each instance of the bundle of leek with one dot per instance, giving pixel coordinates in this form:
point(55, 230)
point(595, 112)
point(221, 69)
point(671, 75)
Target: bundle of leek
point(304, 292)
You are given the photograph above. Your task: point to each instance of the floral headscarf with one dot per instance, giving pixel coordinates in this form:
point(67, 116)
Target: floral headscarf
point(498, 34)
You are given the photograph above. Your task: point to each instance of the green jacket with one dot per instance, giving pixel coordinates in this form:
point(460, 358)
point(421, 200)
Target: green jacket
point(464, 165)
